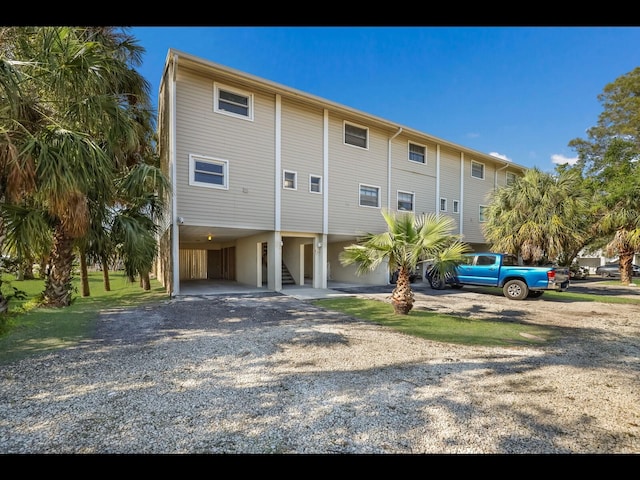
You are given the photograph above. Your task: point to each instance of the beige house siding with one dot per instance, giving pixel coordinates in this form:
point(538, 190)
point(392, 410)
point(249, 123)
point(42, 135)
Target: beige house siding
point(450, 178)
point(476, 192)
point(350, 166)
point(413, 177)
point(247, 146)
point(302, 153)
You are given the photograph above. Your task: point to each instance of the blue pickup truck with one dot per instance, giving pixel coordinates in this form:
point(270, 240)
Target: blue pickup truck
point(503, 270)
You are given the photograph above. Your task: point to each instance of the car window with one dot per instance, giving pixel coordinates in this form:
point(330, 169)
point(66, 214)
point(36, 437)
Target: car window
point(486, 260)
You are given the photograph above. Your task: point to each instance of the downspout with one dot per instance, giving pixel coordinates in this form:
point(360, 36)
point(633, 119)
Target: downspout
point(437, 199)
point(389, 169)
point(175, 230)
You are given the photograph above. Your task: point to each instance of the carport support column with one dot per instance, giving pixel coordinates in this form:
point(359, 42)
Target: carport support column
point(320, 261)
point(274, 279)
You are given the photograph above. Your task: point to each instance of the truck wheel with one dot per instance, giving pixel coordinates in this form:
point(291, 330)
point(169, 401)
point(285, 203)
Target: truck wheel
point(515, 290)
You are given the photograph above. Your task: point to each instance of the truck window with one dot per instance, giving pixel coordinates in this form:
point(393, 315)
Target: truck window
point(486, 260)
point(510, 260)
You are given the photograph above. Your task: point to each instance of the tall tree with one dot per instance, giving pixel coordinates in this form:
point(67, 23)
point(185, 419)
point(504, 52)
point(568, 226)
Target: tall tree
point(91, 110)
point(609, 156)
point(540, 217)
point(409, 240)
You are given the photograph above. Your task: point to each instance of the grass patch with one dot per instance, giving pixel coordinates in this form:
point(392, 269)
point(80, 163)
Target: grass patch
point(442, 328)
point(29, 329)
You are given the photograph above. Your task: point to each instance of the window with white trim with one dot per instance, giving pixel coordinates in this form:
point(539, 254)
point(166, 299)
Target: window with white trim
point(369, 196)
point(405, 201)
point(477, 170)
point(289, 180)
point(356, 135)
point(417, 153)
point(456, 206)
point(443, 204)
point(315, 184)
point(208, 172)
point(510, 178)
point(482, 213)
point(232, 101)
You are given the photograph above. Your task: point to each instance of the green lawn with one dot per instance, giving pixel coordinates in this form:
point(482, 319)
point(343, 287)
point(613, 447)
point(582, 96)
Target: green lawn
point(31, 330)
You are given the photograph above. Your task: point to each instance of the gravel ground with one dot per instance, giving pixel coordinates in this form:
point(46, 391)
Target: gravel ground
point(270, 374)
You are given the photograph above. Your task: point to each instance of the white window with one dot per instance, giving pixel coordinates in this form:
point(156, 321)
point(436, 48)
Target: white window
point(456, 206)
point(355, 135)
point(511, 178)
point(369, 196)
point(477, 170)
point(208, 172)
point(315, 184)
point(234, 102)
point(482, 213)
point(443, 204)
point(405, 201)
point(289, 180)
point(417, 153)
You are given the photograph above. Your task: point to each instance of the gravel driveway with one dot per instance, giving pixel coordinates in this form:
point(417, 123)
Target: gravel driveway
point(270, 374)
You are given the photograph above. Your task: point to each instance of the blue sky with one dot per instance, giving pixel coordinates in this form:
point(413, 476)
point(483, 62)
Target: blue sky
point(521, 93)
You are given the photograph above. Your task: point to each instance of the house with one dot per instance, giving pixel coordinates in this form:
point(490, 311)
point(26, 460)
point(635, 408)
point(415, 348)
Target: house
point(270, 183)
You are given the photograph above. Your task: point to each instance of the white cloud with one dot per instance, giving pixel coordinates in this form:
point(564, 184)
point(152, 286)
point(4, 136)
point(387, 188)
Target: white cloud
point(561, 159)
point(499, 155)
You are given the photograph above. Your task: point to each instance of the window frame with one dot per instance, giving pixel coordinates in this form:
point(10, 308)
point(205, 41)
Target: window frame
point(510, 175)
point(456, 206)
point(481, 215)
point(413, 200)
point(366, 185)
point(217, 87)
point(311, 177)
point(409, 152)
point(194, 158)
point(355, 125)
point(443, 200)
point(475, 162)
point(284, 179)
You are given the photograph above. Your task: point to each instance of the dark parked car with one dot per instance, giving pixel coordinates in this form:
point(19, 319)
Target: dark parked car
point(613, 270)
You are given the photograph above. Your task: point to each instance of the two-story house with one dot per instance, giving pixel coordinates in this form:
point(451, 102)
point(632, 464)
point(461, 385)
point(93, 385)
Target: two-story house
point(269, 181)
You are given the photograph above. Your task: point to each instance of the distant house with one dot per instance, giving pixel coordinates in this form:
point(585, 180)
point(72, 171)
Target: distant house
point(269, 183)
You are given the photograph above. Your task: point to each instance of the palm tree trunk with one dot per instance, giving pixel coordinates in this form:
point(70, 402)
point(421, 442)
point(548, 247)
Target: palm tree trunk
point(146, 281)
point(84, 275)
point(58, 285)
point(402, 295)
point(105, 274)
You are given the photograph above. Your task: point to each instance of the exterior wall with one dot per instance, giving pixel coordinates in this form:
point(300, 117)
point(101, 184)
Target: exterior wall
point(414, 177)
point(450, 178)
point(350, 166)
point(302, 153)
point(248, 146)
point(476, 193)
point(339, 273)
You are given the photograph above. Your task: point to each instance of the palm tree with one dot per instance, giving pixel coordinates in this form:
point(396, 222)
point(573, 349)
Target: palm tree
point(88, 116)
point(617, 184)
point(409, 240)
point(540, 217)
